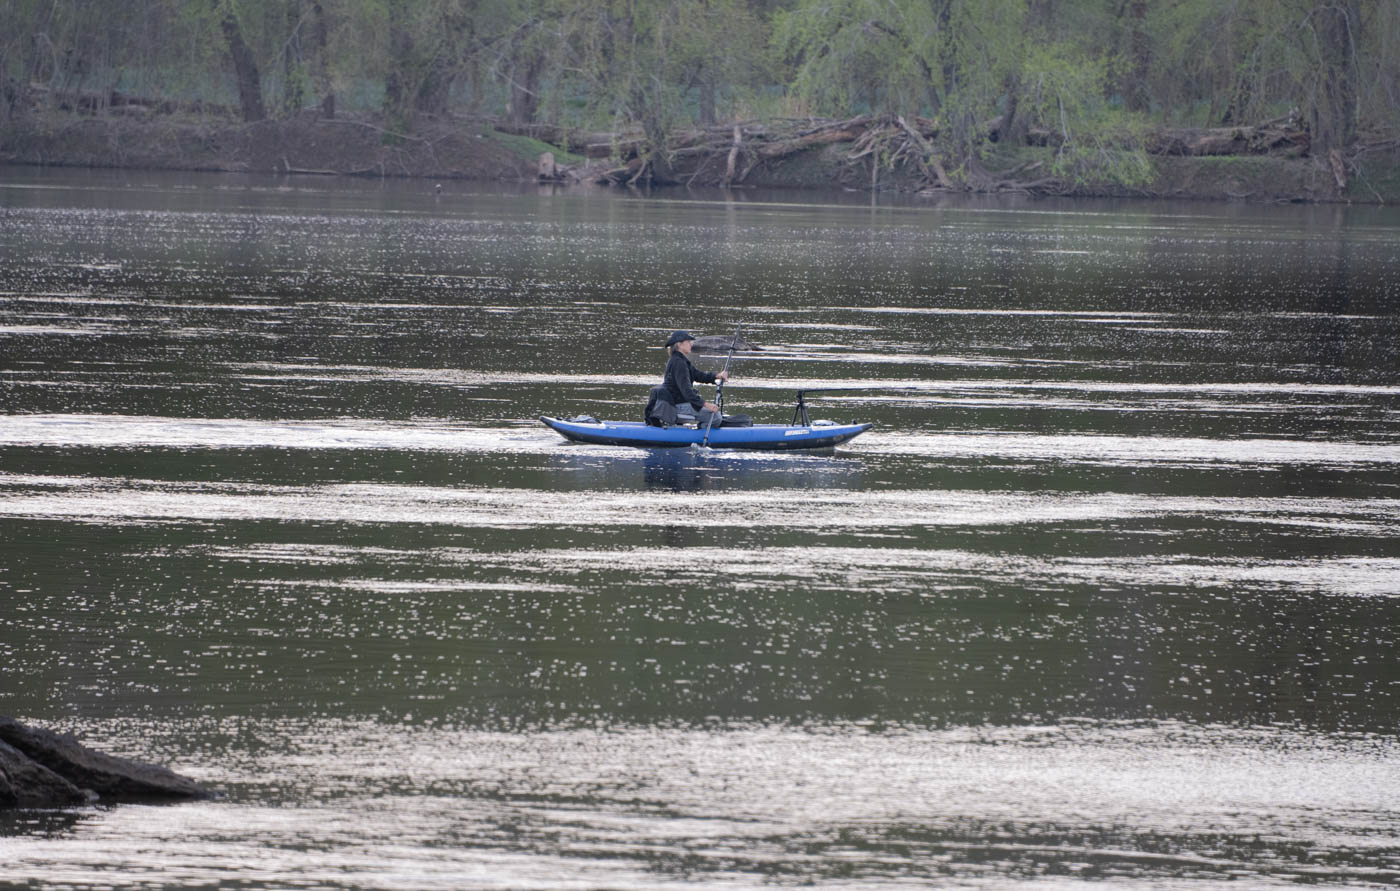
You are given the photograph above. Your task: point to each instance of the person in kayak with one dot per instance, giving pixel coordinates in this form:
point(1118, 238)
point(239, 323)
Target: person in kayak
point(677, 386)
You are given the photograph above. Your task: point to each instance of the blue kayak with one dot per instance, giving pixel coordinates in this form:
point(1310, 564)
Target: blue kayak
point(759, 436)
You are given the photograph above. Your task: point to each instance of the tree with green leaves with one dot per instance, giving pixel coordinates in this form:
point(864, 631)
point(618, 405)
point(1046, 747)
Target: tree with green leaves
point(640, 61)
point(976, 68)
point(1067, 91)
point(1327, 67)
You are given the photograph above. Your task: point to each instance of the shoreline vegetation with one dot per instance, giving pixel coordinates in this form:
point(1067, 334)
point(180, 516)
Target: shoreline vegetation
point(1269, 101)
point(867, 153)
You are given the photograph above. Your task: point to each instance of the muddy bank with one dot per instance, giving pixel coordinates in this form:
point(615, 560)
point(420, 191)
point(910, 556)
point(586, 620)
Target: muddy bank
point(478, 150)
point(341, 146)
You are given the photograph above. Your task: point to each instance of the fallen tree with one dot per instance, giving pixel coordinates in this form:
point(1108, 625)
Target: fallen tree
point(878, 144)
point(1273, 136)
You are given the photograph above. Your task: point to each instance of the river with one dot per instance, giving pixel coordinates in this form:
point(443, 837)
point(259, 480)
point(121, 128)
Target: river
point(1112, 594)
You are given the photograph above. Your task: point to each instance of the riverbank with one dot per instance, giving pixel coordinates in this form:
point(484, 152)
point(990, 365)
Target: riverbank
point(454, 149)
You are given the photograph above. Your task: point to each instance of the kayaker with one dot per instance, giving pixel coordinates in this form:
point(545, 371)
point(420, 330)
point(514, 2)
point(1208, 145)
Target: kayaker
point(676, 387)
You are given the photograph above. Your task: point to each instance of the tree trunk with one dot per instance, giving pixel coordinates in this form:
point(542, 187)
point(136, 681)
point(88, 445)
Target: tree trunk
point(476, 77)
point(731, 165)
point(10, 92)
point(393, 94)
point(1135, 94)
point(524, 95)
point(1237, 107)
point(396, 101)
point(293, 94)
point(1012, 126)
point(435, 92)
point(1040, 15)
point(321, 37)
point(661, 172)
point(707, 100)
point(436, 89)
point(1334, 106)
point(245, 66)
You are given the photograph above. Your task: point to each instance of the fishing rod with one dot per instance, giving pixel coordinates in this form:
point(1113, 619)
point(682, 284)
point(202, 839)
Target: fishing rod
point(719, 391)
point(800, 410)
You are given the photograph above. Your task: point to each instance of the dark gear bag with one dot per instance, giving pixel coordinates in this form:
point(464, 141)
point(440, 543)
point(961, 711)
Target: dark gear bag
point(659, 412)
point(737, 421)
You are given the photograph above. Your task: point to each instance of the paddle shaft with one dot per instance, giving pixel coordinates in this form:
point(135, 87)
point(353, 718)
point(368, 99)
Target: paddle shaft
point(719, 390)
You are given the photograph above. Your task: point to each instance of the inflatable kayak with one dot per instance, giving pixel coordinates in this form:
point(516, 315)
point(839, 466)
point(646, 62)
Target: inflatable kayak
point(819, 435)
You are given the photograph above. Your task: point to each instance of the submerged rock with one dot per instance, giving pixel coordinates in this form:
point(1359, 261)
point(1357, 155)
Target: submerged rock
point(40, 768)
point(26, 783)
point(719, 343)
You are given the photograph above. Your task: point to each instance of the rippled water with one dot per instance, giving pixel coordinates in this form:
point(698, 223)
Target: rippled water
point(1110, 592)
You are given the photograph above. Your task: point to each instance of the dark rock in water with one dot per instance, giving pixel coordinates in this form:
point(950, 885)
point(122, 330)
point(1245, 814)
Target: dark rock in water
point(25, 783)
point(719, 343)
point(110, 778)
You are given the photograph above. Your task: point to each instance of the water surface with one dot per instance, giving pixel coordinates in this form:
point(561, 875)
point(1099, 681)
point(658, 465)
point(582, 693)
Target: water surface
point(1109, 592)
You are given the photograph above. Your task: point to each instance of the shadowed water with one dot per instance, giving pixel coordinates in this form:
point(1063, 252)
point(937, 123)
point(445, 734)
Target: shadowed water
point(1109, 592)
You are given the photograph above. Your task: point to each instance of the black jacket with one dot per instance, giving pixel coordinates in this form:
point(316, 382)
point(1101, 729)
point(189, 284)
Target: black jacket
point(676, 386)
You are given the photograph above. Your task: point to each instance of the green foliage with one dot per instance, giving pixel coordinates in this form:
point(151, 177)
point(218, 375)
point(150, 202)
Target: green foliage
point(966, 63)
point(1067, 92)
point(1332, 65)
point(642, 61)
point(1094, 73)
point(900, 56)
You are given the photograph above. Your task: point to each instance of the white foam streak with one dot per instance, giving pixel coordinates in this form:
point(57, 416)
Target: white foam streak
point(114, 499)
point(893, 568)
point(129, 431)
point(1126, 450)
point(137, 432)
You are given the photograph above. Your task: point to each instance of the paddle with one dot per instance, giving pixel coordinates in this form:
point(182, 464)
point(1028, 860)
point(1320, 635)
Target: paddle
point(719, 391)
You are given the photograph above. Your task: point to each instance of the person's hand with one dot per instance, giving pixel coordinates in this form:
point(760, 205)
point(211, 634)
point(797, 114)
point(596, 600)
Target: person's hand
point(722, 376)
point(710, 406)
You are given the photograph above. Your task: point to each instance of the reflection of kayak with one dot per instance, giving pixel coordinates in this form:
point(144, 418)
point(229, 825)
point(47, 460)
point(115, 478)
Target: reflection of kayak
point(760, 436)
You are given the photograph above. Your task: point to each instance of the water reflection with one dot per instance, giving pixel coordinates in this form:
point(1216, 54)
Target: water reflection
point(677, 470)
point(41, 823)
point(611, 469)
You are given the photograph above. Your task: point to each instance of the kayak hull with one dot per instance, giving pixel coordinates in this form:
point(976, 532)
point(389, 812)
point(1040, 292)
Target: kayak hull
point(763, 437)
